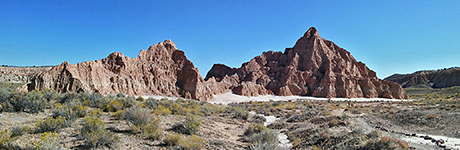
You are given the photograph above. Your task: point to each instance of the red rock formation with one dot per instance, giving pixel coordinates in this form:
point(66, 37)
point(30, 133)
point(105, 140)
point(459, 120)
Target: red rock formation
point(314, 66)
point(160, 70)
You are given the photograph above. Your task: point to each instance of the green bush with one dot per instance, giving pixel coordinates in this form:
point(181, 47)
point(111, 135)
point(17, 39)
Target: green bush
point(162, 110)
point(50, 95)
point(178, 109)
point(19, 131)
point(101, 138)
point(6, 139)
point(138, 116)
point(70, 111)
point(91, 124)
point(120, 115)
point(152, 130)
point(48, 141)
point(94, 134)
point(173, 139)
point(239, 113)
point(31, 102)
point(51, 124)
point(254, 128)
point(265, 136)
point(113, 106)
point(96, 100)
point(190, 126)
point(191, 143)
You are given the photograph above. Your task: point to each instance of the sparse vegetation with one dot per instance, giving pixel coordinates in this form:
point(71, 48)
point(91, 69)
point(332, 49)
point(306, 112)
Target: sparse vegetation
point(51, 124)
point(94, 134)
point(101, 121)
point(190, 126)
point(48, 141)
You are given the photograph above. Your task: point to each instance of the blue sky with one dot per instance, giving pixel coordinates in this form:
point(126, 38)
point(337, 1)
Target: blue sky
point(389, 36)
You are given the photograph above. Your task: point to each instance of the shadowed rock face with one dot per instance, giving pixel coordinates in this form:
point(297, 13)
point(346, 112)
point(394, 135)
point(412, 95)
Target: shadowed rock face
point(160, 70)
point(436, 78)
point(313, 67)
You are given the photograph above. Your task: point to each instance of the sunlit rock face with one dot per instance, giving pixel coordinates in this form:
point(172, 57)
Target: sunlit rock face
point(313, 67)
point(162, 69)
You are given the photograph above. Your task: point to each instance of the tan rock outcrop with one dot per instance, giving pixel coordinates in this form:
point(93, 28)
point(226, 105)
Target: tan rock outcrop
point(314, 67)
point(441, 78)
point(162, 69)
point(20, 74)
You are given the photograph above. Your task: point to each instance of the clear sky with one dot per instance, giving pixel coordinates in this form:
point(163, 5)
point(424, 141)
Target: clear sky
point(390, 36)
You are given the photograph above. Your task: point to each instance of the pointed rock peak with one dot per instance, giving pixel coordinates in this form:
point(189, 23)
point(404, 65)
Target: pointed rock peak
point(65, 63)
point(167, 44)
point(116, 54)
point(312, 32)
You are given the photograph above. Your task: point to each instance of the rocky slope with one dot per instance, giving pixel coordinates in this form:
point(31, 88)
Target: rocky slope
point(314, 67)
point(162, 69)
point(20, 74)
point(434, 78)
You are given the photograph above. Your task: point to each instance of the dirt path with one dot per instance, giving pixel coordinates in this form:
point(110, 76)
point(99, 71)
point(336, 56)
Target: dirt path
point(282, 137)
point(417, 141)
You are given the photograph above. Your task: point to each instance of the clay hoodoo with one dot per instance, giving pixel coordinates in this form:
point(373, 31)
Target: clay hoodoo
point(160, 70)
point(313, 67)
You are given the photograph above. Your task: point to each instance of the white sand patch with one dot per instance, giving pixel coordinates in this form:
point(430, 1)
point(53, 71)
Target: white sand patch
point(451, 143)
point(229, 97)
point(159, 97)
point(282, 138)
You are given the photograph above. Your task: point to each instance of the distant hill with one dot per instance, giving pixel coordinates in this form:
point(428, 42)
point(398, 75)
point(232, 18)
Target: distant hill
point(428, 78)
point(20, 74)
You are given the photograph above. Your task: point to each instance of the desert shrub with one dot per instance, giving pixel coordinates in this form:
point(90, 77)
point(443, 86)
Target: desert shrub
point(96, 113)
point(96, 100)
point(265, 136)
point(101, 138)
point(239, 113)
point(178, 109)
point(386, 143)
point(91, 124)
point(72, 96)
point(4, 98)
point(152, 130)
point(70, 111)
point(94, 134)
point(113, 106)
point(31, 102)
point(140, 98)
point(258, 119)
point(6, 139)
point(50, 95)
point(191, 143)
point(265, 146)
point(162, 110)
point(151, 103)
point(254, 128)
point(173, 139)
point(190, 126)
point(296, 142)
point(51, 124)
point(265, 140)
point(127, 101)
point(207, 109)
point(120, 114)
point(19, 130)
point(48, 141)
point(138, 116)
